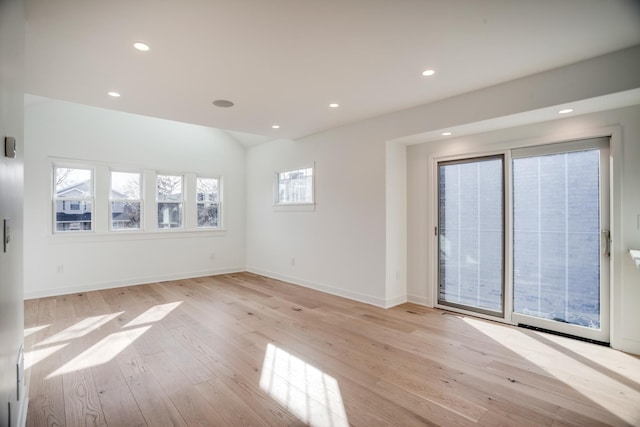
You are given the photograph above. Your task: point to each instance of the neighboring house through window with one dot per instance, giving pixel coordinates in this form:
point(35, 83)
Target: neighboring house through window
point(73, 199)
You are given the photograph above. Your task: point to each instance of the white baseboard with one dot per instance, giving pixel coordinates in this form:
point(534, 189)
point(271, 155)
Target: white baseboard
point(419, 299)
point(367, 299)
point(41, 293)
point(392, 302)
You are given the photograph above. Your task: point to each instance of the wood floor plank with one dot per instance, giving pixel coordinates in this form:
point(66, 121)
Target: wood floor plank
point(31, 313)
point(154, 403)
point(117, 401)
point(232, 409)
point(237, 370)
point(46, 400)
point(82, 406)
point(193, 407)
point(243, 349)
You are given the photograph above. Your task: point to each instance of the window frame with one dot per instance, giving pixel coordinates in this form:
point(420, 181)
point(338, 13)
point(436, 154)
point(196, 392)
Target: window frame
point(180, 203)
point(219, 203)
point(505, 223)
point(301, 204)
point(81, 201)
point(100, 202)
point(605, 144)
point(140, 200)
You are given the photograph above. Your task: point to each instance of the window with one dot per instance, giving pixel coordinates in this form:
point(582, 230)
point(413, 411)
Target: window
point(126, 200)
point(208, 201)
point(294, 187)
point(169, 198)
point(101, 198)
point(73, 199)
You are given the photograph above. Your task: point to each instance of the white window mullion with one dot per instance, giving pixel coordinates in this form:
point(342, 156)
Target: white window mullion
point(101, 201)
point(150, 213)
point(189, 210)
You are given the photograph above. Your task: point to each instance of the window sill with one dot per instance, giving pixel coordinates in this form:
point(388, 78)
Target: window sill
point(295, 207)
point(115, 236)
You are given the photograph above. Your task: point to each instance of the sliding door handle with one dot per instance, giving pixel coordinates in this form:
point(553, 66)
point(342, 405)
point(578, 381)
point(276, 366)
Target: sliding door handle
point(605, 242)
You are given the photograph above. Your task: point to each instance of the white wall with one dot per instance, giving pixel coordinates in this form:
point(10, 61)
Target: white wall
point(335, 244)
point(396, 224)
point(12, 23)
point(62, 130)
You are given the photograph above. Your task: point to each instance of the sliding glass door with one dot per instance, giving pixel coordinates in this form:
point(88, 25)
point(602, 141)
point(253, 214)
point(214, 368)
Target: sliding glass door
point(471, 234)
point(560, 238)
point(557, 228)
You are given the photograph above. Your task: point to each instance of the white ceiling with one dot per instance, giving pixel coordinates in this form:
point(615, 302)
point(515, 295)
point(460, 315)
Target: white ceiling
point(283, 61)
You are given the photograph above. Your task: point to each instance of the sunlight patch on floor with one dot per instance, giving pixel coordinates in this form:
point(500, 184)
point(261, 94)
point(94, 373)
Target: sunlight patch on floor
point(30, 331)
point(154, 314)
point(80, 329)
point(101, 352)
point(305, 390)
point(592, 383)
point(607, 358)
point(33, 357)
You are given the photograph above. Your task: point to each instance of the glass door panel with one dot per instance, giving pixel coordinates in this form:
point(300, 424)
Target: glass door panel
point(471, 237)
point(560, 269)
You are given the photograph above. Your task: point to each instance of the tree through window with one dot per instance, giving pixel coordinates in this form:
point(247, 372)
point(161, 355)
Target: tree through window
point(126, 200)
point(169, 198)
point(208, 202)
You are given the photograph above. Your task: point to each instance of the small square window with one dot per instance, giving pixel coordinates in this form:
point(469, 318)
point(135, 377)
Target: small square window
point(294, 187)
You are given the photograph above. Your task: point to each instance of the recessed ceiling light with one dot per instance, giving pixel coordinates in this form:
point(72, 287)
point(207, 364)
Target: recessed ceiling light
point(446, 133)
point(565, 111)
point(275, 127)
point(334, 105)
point(223, 103)
point(114, 94)
point(141, 46)
point(428, 73)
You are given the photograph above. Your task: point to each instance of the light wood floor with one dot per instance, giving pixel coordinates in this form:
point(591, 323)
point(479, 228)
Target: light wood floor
point(242, 349)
